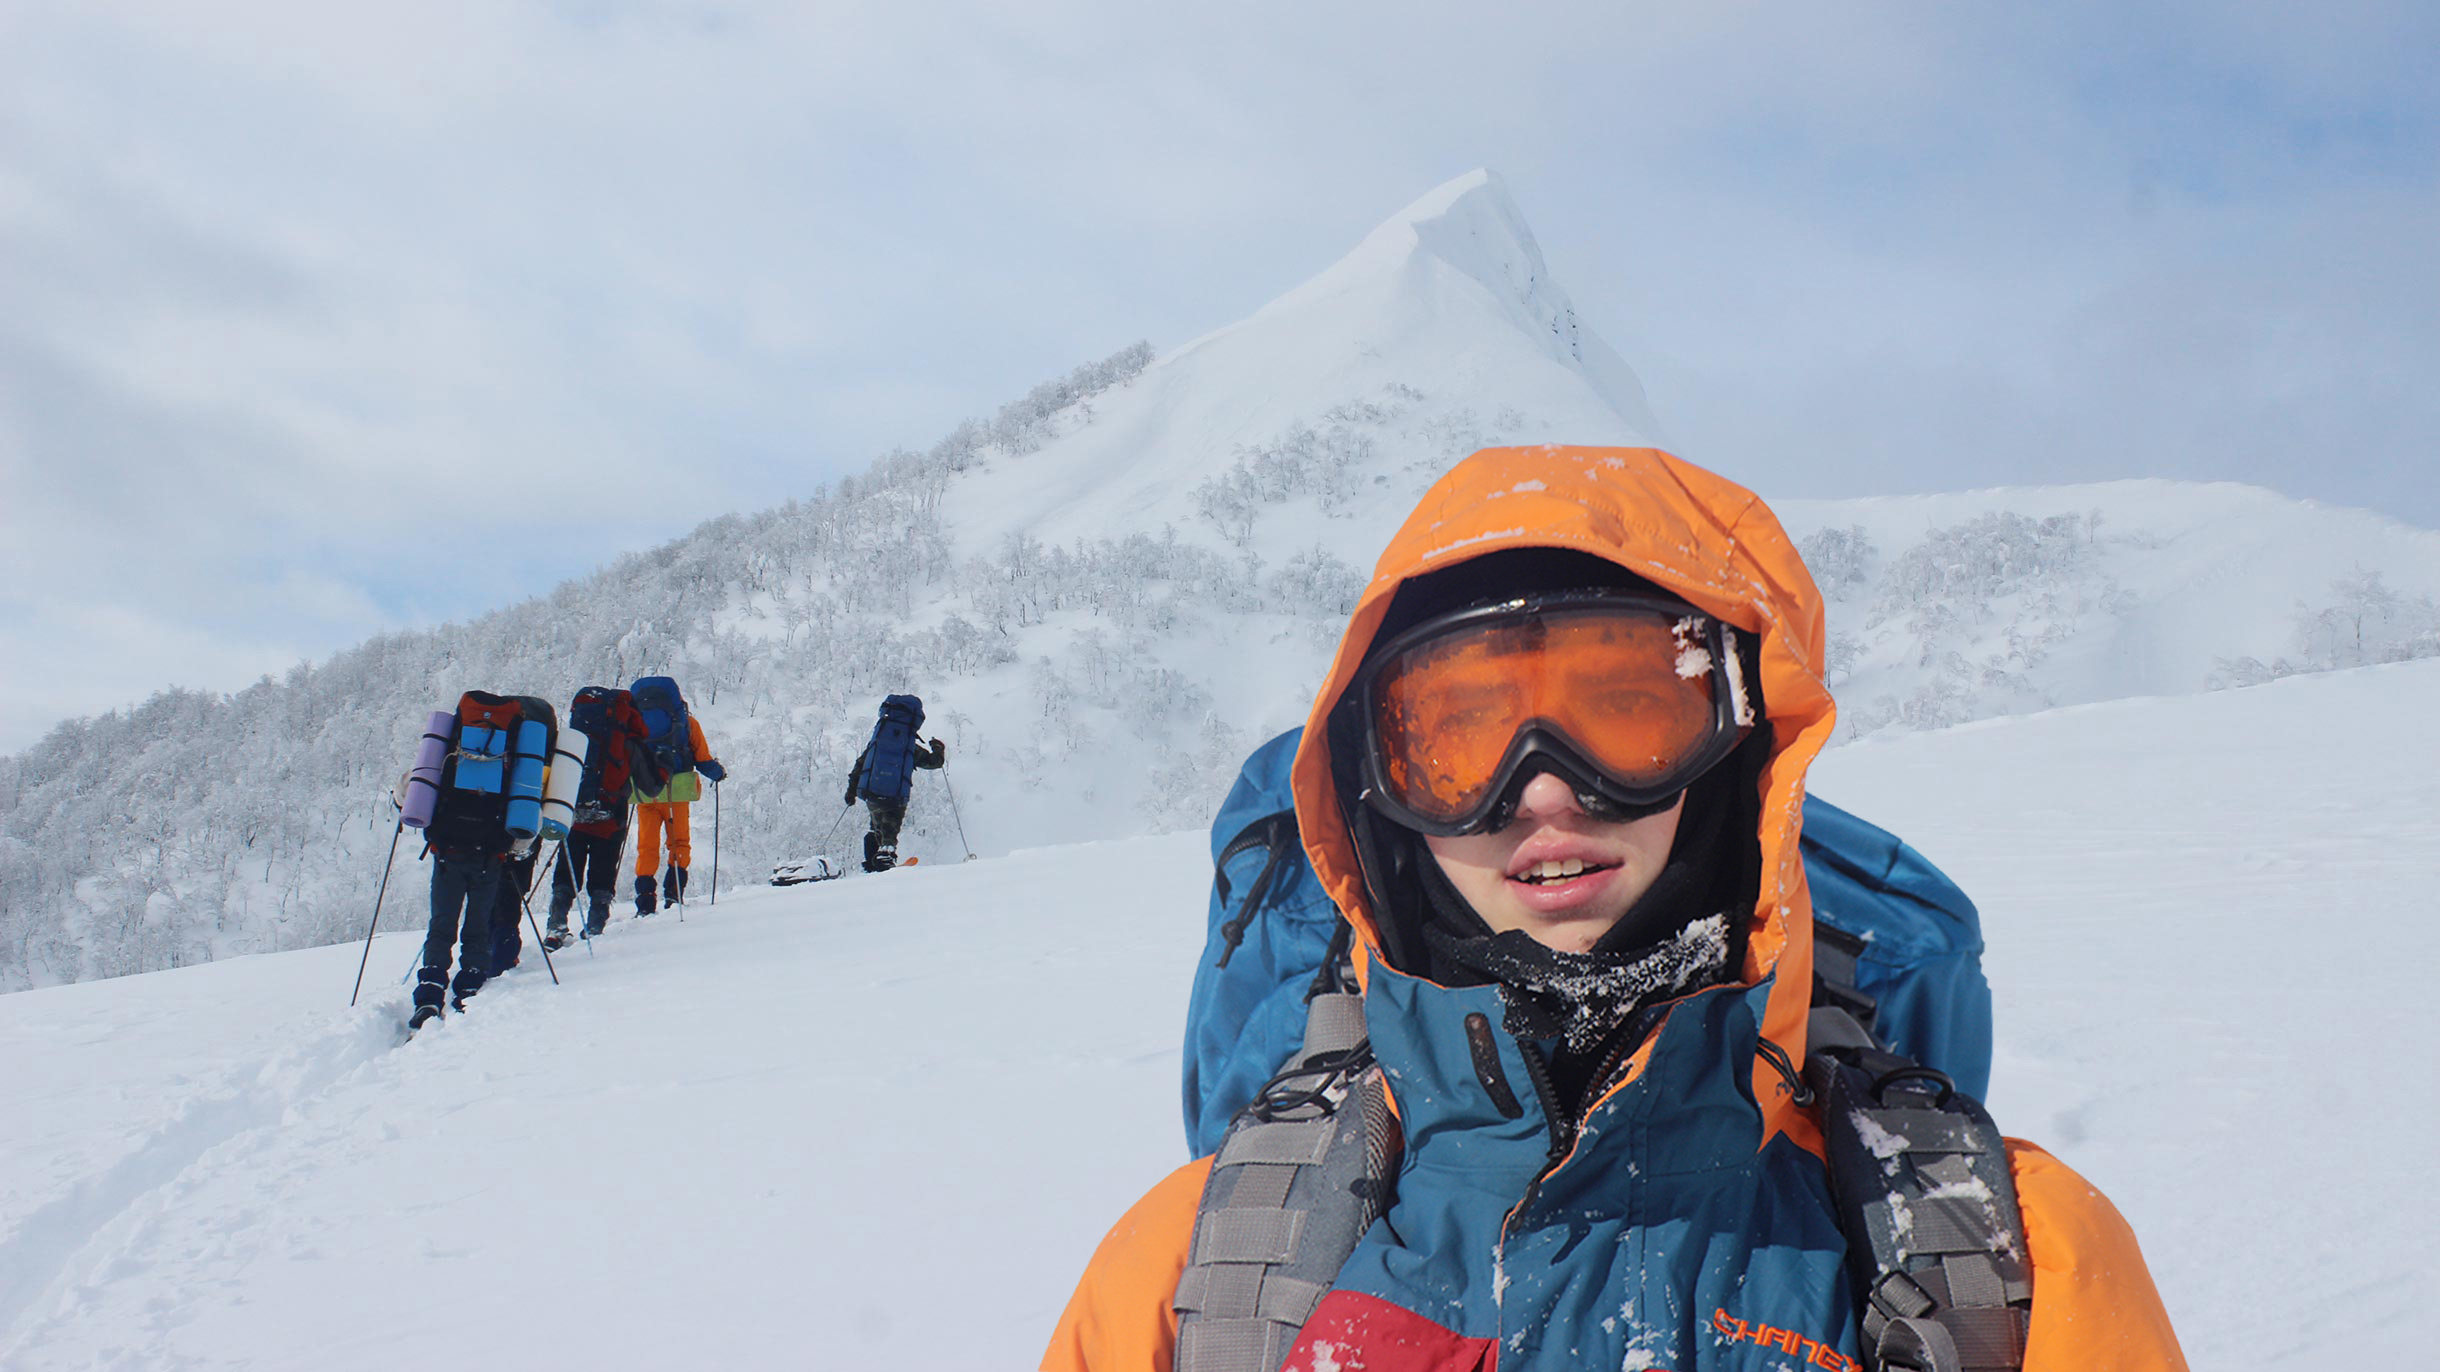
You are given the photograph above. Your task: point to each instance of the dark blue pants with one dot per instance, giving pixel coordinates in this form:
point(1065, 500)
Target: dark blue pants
point(589, 861)
point(508, 912)
point(463, 890)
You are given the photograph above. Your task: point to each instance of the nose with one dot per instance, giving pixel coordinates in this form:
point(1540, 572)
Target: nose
point(1547, 797)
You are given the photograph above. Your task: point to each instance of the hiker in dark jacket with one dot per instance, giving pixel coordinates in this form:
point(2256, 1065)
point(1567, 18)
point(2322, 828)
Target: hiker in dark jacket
point(482, 818)
point(465, 889)
point(597, 835)
point(884, 776)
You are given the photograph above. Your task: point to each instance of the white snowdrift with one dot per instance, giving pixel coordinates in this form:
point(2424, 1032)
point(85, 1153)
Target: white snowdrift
point(882, 1121)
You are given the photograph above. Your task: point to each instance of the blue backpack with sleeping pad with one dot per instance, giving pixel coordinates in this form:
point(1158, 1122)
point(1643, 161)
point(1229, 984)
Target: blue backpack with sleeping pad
point(490, 786)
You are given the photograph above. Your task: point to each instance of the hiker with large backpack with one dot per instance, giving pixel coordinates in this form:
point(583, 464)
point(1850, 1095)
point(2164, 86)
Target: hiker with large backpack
point(616, 757)
point(884, 775)
point(674, 739)
point(476, 792)
point(509, 898)
point(1570, 1102)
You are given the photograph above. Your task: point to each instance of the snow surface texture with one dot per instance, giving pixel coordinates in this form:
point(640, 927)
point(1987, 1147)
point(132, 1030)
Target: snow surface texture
point(882, 1121)
point(1114, 588)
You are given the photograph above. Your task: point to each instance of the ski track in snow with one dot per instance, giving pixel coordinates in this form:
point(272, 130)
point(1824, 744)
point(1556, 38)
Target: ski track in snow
point(718, 1135)
point(58, 1244)
point(883, 1121)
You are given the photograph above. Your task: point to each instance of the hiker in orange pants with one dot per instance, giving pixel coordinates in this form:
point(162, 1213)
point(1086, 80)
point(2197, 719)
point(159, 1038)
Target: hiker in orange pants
point(666, 808)
point(650, 818)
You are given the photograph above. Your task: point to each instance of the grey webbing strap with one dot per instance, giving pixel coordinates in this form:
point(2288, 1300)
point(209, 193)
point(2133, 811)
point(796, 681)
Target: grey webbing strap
point(1334, 1024)
point(1925, 1197)
point(1248, 1236)
point(1920, 1344)
point(1297, 1142)
point(1296, 1182)
point(1210, 1345)
point(1240, 1290)
point(1262, 1185)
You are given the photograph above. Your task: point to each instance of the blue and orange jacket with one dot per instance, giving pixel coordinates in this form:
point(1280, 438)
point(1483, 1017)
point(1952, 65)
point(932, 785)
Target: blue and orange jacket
point(1689, 1225)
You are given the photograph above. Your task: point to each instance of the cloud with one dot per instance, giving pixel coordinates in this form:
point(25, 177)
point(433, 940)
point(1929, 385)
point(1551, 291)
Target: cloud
point(433, 305)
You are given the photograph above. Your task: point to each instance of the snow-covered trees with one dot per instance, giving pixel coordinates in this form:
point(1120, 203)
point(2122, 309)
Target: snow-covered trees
point(198, 826)
point(1959, 624)
point(2363, 623)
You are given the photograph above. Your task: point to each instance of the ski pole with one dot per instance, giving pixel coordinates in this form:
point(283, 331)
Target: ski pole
point(546, 948)
point(715, 843)
point(961, 819)
point(386, 862)
point(584, 927)
point(531, 885)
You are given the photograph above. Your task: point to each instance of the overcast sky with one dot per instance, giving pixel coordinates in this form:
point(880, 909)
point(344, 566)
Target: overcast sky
point(318, 320)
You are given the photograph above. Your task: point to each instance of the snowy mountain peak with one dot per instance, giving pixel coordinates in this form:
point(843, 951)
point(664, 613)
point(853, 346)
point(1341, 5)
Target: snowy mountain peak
point(1469, 232)
point(1470, 225)
point(1441, 332)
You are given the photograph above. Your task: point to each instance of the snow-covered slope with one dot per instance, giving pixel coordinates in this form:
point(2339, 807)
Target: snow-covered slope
point(1114, 588)
point(1945, 608)
point(1442, 332)
point(882, 1121)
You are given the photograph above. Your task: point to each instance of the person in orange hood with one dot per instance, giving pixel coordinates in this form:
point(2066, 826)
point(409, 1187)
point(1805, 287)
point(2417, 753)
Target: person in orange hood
point(1554, 780)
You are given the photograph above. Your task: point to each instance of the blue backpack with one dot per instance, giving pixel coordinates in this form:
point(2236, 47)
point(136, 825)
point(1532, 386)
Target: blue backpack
point(1895, 943)
point(667, 739)
point(889, 759)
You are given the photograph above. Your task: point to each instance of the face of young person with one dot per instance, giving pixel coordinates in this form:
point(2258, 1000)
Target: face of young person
point(1558, 874)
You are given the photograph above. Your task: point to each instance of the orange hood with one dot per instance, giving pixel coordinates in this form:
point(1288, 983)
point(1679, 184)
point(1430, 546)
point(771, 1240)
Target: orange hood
point(1672, 523)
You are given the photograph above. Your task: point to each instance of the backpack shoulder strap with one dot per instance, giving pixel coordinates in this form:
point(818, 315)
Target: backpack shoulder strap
point(1301, 1174)
point(1919, 1174)
point(1837, 955)
point(1276, 836)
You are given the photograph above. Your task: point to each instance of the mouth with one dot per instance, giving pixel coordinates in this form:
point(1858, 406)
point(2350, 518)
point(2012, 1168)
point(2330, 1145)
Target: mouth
point(1558, 872)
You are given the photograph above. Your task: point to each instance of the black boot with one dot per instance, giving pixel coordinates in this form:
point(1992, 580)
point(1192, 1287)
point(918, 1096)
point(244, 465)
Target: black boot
point(469, 980)
point(647, 895)
point(876, 857)
point(673, 885)
point(431, 987)
point(599, 917)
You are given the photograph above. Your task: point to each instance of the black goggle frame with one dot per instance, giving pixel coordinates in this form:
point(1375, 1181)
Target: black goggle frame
point(1543, 747)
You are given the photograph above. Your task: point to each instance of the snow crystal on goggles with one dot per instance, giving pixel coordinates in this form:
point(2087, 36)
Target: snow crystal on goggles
point(1627, 697)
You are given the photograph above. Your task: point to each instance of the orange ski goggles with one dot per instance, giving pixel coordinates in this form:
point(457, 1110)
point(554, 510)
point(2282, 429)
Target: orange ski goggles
point(1627, 697)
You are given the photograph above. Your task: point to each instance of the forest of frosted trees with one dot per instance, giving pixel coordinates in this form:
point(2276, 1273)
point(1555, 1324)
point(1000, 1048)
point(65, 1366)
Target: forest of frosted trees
point(199, 825)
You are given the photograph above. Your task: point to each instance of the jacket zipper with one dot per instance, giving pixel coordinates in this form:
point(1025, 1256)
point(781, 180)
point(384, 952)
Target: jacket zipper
point(1564, 1125)
point(1563, 1122)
